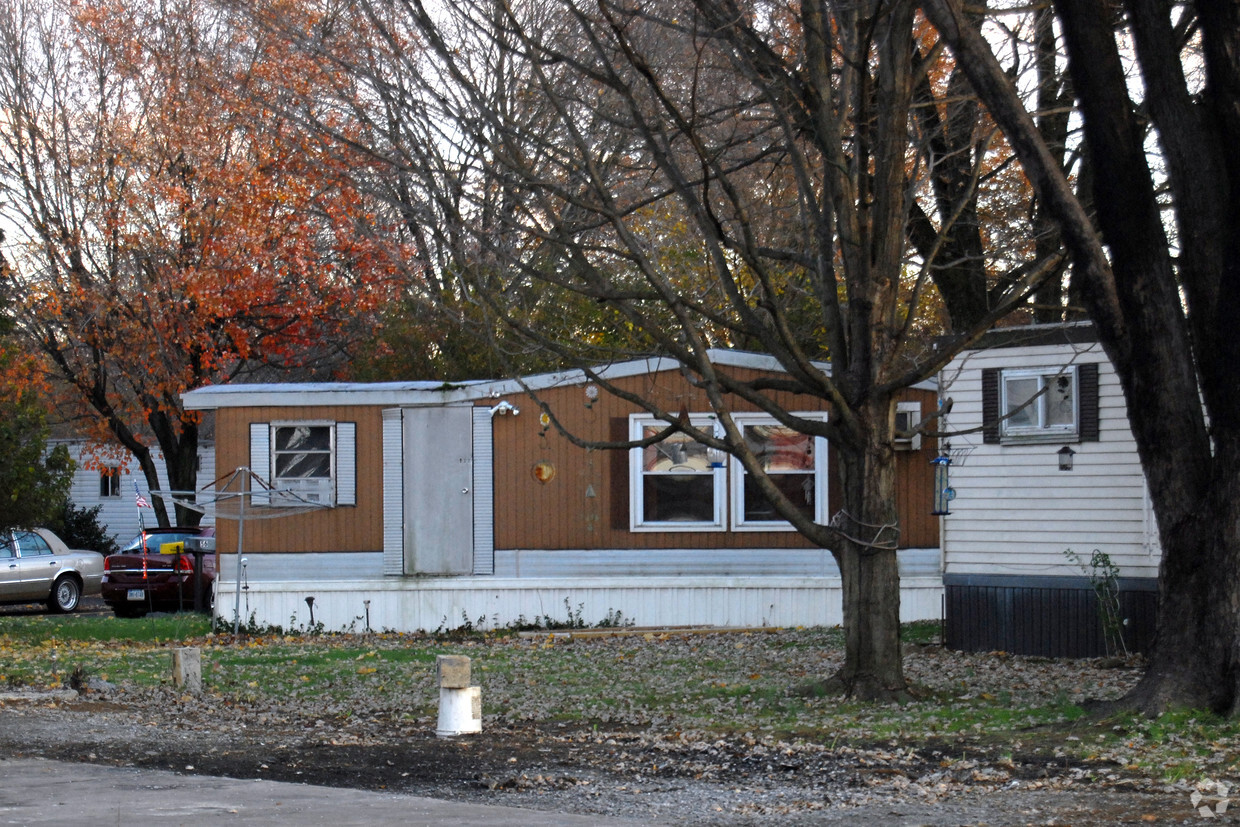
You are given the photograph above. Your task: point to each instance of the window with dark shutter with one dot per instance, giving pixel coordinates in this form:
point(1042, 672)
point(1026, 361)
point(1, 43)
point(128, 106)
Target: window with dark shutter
point(1040, 404)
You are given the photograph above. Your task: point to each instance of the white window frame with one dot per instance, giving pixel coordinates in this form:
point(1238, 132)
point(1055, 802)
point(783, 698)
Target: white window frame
point(637, 477)
point(908, 443)
point(342, 483)
point(1042, 430)
point(293, 484)
point(110, 476)
point(739, 477)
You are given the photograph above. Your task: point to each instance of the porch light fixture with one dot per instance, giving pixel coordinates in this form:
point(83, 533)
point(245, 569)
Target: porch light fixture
point(943, 493)
point(505, 407)
point(1065, 458)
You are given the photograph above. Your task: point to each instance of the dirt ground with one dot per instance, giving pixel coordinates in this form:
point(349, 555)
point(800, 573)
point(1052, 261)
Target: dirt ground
point(642, 775)
point(614, 774)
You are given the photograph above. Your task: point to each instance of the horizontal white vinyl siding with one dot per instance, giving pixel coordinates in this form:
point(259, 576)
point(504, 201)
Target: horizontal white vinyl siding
point(119, 514)
point(1015, 512)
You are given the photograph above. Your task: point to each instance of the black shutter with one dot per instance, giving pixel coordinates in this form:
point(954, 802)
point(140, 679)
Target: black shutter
point(619, 432)
point(990, 406)
point(1087, 386)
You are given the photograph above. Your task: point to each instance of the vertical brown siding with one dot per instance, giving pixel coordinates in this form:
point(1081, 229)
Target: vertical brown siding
point(347, 528)
point(584, 506)
point(561, 514)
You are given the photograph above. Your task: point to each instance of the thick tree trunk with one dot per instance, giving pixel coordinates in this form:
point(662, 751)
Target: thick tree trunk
point(1195, 662)
point(873, 667)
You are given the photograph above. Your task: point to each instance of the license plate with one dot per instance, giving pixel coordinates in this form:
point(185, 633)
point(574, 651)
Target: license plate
point(136, 594)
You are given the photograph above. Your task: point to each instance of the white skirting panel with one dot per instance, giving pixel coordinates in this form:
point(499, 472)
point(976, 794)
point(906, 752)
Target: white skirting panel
point(410, 605)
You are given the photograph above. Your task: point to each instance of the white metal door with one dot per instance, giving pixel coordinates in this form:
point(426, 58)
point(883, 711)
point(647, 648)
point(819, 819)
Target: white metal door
point(439, 490)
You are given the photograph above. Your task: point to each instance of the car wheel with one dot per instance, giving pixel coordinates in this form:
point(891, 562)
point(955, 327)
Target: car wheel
point(66, 594)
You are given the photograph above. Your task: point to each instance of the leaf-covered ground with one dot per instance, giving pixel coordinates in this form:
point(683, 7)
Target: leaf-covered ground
point(704, 728)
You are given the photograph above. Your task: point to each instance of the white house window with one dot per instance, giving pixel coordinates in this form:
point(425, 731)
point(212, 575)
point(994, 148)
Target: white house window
point(1039, 402)
point(908, 417)
point(313, 461)
point(794, 462)
point(679, 485)
point(674, 484)
point(109, 482)
point(301, 461)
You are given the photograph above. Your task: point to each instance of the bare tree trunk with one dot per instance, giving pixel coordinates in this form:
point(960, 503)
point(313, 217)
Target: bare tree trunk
point(866, 555)
point(1195, 662)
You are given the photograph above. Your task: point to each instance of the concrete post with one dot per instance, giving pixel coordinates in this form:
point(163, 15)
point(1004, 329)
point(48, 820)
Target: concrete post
point(187, 669)
point(460, 705)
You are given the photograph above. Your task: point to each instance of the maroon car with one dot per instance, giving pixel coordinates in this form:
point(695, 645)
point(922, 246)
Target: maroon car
point(157, 571)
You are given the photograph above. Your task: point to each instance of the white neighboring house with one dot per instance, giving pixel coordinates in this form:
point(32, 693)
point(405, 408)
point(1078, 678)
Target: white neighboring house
point(114, 493)
point(1031, 481)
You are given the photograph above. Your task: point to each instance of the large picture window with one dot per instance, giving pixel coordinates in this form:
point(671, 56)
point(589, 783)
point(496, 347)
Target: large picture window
point(679, 485)
point(675, 484)
point(794, 462)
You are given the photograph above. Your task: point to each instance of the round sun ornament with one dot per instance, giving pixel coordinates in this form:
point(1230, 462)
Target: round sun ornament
point(543, 471)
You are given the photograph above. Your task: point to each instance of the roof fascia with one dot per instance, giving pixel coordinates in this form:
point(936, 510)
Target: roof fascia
point(410, 394)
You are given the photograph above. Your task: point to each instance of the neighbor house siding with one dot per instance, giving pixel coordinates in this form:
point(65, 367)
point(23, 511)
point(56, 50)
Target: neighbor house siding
point(119, 514)
point(1008, 581)
point(1015, 512)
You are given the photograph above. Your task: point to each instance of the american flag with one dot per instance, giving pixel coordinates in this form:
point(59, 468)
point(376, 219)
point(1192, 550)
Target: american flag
point(141, 500)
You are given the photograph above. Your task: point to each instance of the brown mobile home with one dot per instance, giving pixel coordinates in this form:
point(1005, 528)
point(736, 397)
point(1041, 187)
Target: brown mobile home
point(445, 503)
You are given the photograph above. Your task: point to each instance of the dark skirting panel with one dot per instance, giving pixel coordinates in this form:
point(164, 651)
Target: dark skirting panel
point(1048, 616)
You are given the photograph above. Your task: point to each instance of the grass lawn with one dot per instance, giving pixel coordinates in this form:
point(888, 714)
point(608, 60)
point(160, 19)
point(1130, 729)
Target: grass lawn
point(701, 686)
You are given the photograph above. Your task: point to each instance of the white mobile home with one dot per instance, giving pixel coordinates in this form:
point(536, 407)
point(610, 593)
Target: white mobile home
point(1043, 461)
point(443, 503)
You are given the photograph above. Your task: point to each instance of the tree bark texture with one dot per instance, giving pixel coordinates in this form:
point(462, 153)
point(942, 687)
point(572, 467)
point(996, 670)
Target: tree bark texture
point(867, 560)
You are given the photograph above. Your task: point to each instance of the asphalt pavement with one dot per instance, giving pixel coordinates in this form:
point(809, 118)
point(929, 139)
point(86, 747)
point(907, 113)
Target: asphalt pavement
point(34, 791)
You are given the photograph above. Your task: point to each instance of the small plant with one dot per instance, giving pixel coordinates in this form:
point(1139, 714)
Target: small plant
point(468, 625)
point(80, 528)
point(1104, 578)
point(614, 619)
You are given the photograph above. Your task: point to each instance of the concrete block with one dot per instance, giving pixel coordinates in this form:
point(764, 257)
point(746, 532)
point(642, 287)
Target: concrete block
point(453, 671)
point(187, 669)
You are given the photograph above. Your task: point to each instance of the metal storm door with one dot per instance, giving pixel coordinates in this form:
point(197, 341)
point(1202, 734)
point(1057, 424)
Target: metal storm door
point(439, 490)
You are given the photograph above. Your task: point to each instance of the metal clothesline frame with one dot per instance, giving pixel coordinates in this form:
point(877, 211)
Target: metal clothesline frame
point(278, 502)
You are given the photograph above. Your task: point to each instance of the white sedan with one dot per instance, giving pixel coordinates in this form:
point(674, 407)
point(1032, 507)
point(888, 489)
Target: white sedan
point(36, 566)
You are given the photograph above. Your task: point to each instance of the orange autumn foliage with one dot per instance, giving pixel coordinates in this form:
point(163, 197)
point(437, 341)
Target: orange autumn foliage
point(174, 225)
point(188, 228)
